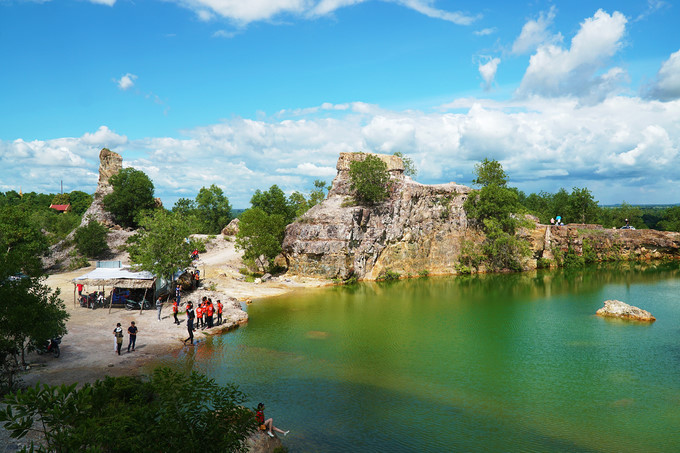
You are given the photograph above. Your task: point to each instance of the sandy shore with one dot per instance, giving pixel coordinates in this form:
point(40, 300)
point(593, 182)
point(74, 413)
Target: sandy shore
point(87, 351)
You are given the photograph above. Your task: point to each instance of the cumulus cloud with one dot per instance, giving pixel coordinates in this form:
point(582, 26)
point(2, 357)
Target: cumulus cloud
point(126, 82)
point(666, 85)
point(621, 148)
point(244, 12)
point(535, 33)
point(556, 71)
point(488, 71)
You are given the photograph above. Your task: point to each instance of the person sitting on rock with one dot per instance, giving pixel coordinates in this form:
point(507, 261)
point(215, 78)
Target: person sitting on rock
point(267, 424)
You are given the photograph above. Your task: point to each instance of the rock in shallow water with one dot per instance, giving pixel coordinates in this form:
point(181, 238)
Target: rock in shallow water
point(618, 309)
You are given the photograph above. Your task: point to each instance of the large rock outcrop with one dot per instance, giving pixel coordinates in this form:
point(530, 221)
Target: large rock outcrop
point(419, 228)
point(110, 164)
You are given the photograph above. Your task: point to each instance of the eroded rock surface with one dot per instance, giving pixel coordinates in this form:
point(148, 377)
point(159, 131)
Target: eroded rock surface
point(419, 228)
point(618, 309)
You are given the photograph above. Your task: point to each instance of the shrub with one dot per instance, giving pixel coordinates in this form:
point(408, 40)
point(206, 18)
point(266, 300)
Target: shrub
point(388, 274)
point(91, 239)
point(423, 273)
point(370, 180)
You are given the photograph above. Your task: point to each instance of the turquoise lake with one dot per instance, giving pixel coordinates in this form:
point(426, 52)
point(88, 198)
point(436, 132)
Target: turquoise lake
point(515, 362)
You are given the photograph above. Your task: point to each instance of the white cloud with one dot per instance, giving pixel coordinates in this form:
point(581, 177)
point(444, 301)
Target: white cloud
point(103, 2)
point(488, 71)
point(666, 86)
point(555, 71)
point(621, 148)
point(535, 33)
point(244, 12)
point(126, 82)
point(485, 31)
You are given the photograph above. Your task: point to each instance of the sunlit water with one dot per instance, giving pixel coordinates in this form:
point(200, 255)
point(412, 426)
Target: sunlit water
point(490, 363)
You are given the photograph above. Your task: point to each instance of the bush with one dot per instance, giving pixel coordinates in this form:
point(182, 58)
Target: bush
point(423, 273)
point(91, 239)
point(132, 195)
point(388, 274)
point(370, 180)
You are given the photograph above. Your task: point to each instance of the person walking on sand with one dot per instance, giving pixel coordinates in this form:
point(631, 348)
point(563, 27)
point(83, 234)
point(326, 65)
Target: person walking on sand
point(267, 424)
point(175, 309)
point(132, 331)
point(190, 322)
point(159, 306)
point(118, 334)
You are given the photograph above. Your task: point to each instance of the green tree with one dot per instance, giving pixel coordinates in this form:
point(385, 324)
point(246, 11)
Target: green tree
point(670, 220)
point(21, 242)
point(212, 209)
point(80, 201)
point(184, 207)
point(300, 204)
point(370, 180)
point(132, 195)
point(91, 239)
point(160, 246)
point(582, 207)
point(260, 234)
point(169, 411)
point(273, 202)
point(61, 198)
point(410, 168)
point(489, 172)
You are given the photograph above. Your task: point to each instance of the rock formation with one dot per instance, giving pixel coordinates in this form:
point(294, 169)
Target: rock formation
point(232, 228)
point(419, 228)
point(605, 244)
point(618, 309)
point(110, 163)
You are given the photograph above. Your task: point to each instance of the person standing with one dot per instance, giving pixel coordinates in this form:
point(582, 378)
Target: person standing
point(210, 313)
point(199, 315)
point(198, 277)
point(190, 322)
point(219, 312)
point(132, 331)
point(178, 293)
point(175, 309)
point(80, 289)
point(159, 306)
point(118, 334)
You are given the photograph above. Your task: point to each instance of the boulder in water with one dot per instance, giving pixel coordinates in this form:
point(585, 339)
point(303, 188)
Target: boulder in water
point(618, 309)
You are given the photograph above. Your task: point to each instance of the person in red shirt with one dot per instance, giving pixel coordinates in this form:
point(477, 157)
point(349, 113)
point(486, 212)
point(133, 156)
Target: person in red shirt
point(267, 424)
point(175, 309)
point(210, 311)
point(219, 312)
point(199, 315)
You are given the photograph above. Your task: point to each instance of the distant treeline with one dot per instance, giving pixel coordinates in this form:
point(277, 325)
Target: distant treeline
point(579, 206)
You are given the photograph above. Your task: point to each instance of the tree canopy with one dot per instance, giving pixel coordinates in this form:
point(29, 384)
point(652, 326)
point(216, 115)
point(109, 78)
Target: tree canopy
point(91, 239)
point(132, 195)
point(212, 209)
point(369, 180)
point(160, 246)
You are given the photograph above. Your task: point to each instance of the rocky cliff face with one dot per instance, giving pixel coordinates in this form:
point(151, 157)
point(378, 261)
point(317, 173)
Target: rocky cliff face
point(606, 244)
point(110, 164)
point(418, 228)
point(422, 227)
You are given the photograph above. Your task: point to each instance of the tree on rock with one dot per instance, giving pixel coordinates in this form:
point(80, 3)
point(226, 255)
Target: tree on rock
point(91, 239)
point(370, 180)
point(132, 194)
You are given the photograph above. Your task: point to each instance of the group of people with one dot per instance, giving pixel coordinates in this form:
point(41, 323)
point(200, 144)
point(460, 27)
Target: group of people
point(557, 221)
point(203, 315)
point(118, 336)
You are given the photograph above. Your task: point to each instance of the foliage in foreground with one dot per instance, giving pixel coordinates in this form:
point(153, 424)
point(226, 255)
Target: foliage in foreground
point(169, 411)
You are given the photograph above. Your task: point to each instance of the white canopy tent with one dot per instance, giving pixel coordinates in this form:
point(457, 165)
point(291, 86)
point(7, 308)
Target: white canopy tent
point(122, 277)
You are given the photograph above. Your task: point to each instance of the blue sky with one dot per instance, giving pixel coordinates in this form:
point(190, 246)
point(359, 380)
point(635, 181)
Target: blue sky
point(249, 94)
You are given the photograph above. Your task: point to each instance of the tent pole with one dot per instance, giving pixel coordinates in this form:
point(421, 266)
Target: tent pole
point(74, 295)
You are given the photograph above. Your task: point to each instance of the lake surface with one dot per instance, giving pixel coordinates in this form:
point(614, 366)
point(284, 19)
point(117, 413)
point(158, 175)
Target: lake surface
point(484, 363)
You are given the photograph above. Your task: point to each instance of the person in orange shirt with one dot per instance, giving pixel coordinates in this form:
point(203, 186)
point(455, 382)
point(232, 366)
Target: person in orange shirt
point(175, 309)
point(199, 315)
point(219, 312)
point(210, 311)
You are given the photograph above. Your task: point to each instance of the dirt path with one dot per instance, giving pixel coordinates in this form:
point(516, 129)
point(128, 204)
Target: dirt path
point(87, 351)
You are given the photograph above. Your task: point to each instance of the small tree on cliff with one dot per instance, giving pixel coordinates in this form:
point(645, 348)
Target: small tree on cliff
point(370, 180)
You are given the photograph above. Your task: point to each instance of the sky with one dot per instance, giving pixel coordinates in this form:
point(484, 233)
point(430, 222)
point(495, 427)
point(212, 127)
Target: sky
point(247, 94)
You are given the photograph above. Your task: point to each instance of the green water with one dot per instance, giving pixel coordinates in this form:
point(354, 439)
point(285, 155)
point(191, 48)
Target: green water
point(489, 363)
